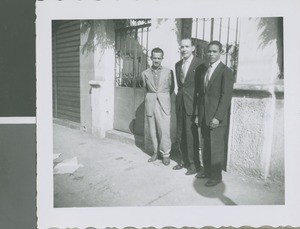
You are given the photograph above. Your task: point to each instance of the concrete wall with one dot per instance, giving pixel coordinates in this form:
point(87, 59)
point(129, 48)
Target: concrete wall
point(257, 126)
point(246, 136)
point(276, 171)
point(86, 74)
point(256, 140)
point(97, 64)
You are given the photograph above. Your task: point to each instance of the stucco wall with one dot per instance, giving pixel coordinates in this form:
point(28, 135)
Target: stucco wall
point(247, 136)
point(277, 157)
point(250, 138)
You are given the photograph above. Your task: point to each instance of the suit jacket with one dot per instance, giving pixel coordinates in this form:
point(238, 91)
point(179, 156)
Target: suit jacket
point(214, 101)
point(158, 93)
point(186, 90)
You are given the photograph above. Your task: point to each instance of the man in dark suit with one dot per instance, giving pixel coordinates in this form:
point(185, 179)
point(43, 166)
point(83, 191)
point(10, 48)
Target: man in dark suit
point(214, 92)
point(187, 135)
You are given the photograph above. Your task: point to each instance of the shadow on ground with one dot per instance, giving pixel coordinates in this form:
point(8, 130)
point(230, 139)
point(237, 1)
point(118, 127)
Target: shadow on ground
point(137, 126)
point(212, 192)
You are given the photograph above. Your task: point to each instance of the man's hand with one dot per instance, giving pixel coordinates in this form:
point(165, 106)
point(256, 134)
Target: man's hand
point(196, 120)
point(214, 123)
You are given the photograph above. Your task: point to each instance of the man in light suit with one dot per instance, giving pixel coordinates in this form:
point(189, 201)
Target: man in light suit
point(214, 90)
point(159, 84)
point(187, 133)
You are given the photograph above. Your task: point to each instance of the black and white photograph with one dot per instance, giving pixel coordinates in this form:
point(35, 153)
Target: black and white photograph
point(165, 115)
point(133, 128)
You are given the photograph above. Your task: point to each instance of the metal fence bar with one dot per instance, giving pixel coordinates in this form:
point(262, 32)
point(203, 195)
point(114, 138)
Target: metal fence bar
point(147, 47)
point(130, 39)
point(196, 27)
point(130, 46)
point(133, 27)
point(203, 28)
point(235, 64)
point(136, 57)
point(120, 58)
point(236, 30)
point(125, 46)
point(142, 42)
point(220, 30)
point(228, 31)
point(212, 29)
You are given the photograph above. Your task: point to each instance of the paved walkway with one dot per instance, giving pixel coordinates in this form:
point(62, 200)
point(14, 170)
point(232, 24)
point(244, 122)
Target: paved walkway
point(118, 174)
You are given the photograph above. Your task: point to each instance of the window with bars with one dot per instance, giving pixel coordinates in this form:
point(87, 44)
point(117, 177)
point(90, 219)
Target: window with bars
point(225, 30)
point(132, 40)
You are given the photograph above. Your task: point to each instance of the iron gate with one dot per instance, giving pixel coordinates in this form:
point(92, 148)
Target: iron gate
point(225, 30)
point(131, 60)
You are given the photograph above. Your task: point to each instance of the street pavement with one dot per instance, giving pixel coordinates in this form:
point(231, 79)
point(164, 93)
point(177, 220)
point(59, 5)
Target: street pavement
point(118, 174)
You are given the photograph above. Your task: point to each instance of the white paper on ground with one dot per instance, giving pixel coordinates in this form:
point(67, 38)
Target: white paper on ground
point(67, 166)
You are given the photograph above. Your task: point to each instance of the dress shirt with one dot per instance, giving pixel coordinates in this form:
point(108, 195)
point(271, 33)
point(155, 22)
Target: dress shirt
point(156, 74)
point(186, 63)
point(213, 67)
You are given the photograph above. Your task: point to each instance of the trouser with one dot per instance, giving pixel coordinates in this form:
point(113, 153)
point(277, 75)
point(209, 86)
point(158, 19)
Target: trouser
point(187, 138)
point(159, 127)
point(213, 150)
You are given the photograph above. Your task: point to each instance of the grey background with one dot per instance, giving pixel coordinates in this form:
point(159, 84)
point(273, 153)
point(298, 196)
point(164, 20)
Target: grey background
point(17, 98)
point(17, 58)
point(17, 176)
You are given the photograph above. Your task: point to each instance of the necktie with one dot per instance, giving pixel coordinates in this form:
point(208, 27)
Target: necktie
point(184, 66)
point(207, 76)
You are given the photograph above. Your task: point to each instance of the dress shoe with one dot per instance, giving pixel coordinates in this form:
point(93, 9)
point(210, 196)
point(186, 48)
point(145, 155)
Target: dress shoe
point(166, 160)
point(153, 158)
point(191, 171)
point(178, 167)
point(201, 175)
point(212, 182)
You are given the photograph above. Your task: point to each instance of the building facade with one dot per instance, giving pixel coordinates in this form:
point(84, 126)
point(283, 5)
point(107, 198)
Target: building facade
point(96, 87)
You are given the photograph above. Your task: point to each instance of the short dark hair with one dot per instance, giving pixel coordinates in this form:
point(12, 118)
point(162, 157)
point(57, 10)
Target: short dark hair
point(189, 38)
point(217, 43)
point(157, 50)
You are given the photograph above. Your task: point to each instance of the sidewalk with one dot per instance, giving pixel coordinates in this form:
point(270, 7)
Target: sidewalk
point(118, 174)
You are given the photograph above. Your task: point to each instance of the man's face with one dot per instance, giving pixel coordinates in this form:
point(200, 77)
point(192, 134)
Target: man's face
point(186, 48)
point(213, 53)
point(156, 58)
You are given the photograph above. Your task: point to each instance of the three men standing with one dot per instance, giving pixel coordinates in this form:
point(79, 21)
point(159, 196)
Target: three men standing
point(159, 84)
point(203, 100)
point(214, 88)
point(187, 133)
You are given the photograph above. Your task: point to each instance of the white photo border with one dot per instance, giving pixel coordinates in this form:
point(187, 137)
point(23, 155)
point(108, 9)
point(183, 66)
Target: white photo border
point(138, 217)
